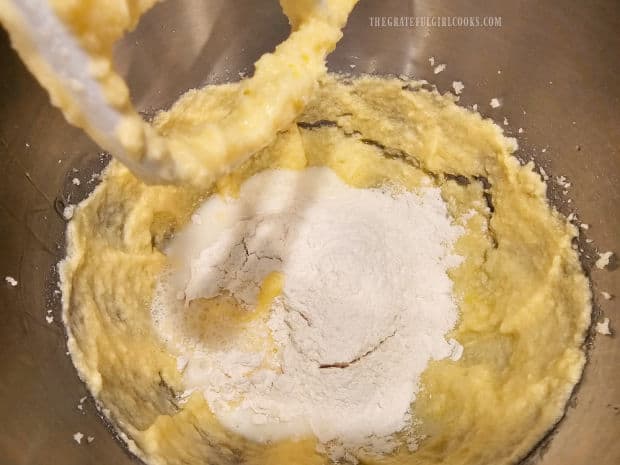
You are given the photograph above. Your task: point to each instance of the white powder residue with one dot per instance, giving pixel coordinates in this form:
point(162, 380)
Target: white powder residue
point(11, 281)
point(439, 68)
point(68, 212)
point(93, 178)
point(602, 327)
point(495, 103)
point(77, 437)
point(603, 260)
point(458, 87)
point(456, 350)
point(366, 304)
point(606, 295)
point(562, 181)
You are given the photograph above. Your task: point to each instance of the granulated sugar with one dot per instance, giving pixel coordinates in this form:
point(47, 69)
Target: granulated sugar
point(365, 305)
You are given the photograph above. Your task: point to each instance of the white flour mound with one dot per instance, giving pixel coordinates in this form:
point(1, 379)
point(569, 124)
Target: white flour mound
point(365, 306)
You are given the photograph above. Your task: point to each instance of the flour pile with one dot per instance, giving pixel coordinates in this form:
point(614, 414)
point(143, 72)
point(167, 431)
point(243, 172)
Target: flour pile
point(365, 304)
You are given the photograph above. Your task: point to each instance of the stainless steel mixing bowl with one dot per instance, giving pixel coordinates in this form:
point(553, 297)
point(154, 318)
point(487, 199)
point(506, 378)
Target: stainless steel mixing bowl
point(554, 65)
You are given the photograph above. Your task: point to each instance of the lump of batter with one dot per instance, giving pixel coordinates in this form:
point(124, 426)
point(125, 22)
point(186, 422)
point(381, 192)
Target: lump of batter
point(523, 300)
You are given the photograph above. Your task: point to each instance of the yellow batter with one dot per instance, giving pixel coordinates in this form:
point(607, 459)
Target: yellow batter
point(524, 300)
point(207, 134)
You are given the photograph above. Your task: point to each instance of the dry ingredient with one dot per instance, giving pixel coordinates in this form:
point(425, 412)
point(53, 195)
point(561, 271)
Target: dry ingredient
point(458, 87)
point(365, 304)
point(604, 258)
point(77, 437)
point(602, 327)
point(68, 211)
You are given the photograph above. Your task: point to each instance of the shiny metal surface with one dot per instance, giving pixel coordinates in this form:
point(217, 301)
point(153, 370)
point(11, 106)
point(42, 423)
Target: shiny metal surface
point(554, 65)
